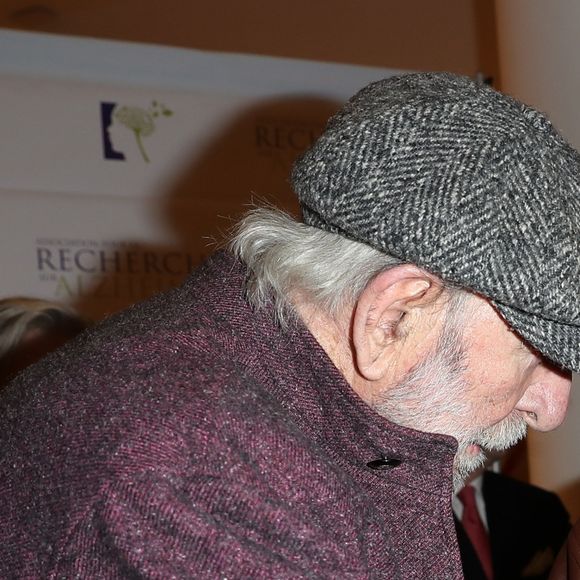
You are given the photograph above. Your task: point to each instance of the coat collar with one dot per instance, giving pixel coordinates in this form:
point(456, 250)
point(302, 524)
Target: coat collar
point(316, 396)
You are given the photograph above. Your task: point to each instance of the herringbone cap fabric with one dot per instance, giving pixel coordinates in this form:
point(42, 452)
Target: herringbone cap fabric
point(465, 182)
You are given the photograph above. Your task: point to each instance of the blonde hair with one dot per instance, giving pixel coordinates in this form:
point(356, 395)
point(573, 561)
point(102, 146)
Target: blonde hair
point(19, 315)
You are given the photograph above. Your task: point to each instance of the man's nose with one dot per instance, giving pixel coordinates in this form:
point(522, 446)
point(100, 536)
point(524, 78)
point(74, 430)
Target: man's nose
point(545, 402)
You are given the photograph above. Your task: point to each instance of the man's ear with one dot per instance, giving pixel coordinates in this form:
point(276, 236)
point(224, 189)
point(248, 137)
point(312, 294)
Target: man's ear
point(379, 314)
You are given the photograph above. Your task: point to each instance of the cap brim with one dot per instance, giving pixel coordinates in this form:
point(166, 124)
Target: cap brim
point(557, 341)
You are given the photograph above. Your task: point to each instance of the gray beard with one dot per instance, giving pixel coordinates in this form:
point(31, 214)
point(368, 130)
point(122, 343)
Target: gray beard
point(432, 398)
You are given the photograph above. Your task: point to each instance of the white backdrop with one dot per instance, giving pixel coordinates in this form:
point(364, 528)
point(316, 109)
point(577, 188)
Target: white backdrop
point(120, 163)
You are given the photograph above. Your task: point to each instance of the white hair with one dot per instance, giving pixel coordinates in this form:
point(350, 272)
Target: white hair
point(285, 257)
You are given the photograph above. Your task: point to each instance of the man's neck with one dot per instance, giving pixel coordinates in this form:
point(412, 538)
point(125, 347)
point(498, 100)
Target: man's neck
point(334, 336)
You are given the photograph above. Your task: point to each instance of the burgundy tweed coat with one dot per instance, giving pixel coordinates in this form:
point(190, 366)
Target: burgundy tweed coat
point(189, 437)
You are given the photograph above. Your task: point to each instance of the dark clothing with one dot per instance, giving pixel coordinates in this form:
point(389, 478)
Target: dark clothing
point(567, 565)
point(190, 437)
point(527, 527)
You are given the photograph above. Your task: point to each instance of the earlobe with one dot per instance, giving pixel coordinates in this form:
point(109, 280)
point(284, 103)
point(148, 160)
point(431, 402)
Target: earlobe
point(379, 317)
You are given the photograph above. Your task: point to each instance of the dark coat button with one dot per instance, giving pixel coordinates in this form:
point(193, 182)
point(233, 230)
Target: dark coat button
point(384, 463)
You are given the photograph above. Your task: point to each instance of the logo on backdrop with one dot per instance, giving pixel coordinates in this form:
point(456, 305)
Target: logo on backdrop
point(139, 122)
point(106, 269)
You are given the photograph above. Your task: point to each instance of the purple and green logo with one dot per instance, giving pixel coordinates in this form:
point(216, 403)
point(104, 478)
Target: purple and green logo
point(136, 120)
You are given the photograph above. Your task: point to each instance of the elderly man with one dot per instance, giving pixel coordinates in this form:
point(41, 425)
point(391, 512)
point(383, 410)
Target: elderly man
point(301, 406)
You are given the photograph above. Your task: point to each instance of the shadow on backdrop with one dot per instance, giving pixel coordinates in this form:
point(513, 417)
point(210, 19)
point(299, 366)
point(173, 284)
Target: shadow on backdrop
point(249, 161)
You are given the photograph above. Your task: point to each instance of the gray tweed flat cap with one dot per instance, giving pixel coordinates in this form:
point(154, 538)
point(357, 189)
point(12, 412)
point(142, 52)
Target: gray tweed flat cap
point(465, 182)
